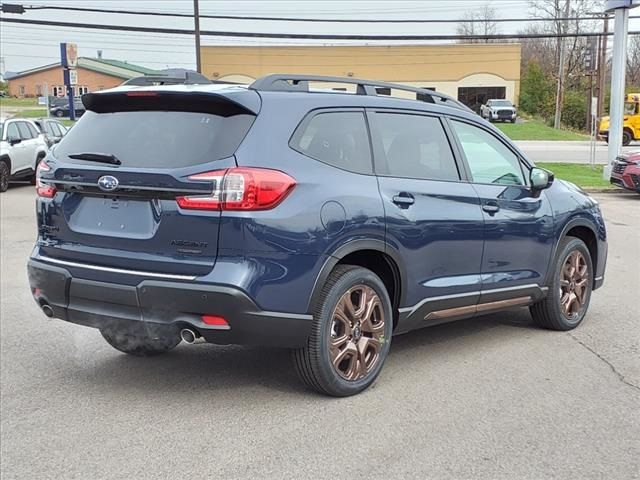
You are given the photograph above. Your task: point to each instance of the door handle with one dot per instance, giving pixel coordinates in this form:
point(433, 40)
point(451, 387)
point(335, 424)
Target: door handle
point(491, 208)
point(404, 199)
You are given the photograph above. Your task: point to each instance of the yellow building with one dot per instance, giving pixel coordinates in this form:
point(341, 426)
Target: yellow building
point(471, 73)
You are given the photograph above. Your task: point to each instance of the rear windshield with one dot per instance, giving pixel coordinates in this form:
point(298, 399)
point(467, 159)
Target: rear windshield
point(156, 139)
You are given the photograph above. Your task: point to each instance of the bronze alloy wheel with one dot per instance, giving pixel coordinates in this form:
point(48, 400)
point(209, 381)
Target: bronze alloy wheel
point(357, 332)
point(574, 285)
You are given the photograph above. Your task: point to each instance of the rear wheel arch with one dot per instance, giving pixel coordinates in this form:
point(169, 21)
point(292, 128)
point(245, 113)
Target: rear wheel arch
point(373, 255)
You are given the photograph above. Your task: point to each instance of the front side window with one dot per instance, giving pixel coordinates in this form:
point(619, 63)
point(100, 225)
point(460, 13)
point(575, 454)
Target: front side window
point(630, 108)
point(12, 131)
point(336, 138)
point(415, 146)
point(489, 160)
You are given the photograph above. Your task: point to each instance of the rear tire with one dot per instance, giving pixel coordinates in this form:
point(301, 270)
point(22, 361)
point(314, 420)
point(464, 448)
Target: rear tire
point(140, 345)
point(569, 294)
point(351, 334)
point(626, 138)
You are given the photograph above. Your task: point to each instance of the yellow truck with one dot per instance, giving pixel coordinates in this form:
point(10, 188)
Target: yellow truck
point(631, 125)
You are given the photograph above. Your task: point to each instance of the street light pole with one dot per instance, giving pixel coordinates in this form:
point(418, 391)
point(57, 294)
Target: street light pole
point(618, 66)
point(196, 19)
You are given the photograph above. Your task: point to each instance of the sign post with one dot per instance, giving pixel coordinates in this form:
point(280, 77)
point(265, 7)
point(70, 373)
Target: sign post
point(69, 62)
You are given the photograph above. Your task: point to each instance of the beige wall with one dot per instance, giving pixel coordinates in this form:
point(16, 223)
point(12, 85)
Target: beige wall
point(445, 67)
point(53, 77)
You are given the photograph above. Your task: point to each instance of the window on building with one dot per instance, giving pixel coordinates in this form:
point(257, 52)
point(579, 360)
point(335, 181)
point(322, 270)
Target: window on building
point(415, 146)
point(337, 138)
point(22, 91)
point(81, 90)
point(58, 91)
point(489, 160)
point(39, 91)
point(474, 97)
point(101, 87)
point(423, 97)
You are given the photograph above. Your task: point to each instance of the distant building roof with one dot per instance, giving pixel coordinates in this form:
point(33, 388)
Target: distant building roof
point(115, 68)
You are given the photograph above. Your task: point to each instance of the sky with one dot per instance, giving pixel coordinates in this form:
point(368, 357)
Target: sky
point(27, 46)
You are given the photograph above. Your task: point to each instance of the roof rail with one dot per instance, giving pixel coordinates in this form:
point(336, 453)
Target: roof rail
point(300, 83)
point(190, 78)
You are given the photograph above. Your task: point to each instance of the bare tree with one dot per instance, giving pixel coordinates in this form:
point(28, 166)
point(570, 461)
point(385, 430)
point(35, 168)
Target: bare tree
point(479, 22)
point(547, 51)
point(633, 62)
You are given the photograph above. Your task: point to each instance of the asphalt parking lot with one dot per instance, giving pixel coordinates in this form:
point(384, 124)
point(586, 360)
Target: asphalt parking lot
point(493, 397)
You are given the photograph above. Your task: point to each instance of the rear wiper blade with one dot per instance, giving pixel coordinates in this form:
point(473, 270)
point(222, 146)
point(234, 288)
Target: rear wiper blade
point(96, 157)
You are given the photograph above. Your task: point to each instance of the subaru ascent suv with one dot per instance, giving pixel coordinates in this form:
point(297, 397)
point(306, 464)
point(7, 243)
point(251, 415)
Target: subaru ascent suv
point(286, 215)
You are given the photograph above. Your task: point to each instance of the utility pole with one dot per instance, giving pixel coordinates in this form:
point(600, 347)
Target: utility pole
point(196, 19)
point(602, 66)
point(560, 91)
point(618, 66)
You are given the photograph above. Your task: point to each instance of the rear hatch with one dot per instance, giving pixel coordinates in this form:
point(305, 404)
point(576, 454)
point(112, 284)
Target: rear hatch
point(118, 172)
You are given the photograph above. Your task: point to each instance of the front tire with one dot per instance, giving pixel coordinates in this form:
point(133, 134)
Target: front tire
point(5, 173)
point(351, 333)
point(626, 138)
point(140, 345)
point(569, 293)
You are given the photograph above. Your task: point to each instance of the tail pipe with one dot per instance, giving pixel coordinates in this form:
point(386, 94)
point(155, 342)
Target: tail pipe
point(191, 337)
point(47, 310)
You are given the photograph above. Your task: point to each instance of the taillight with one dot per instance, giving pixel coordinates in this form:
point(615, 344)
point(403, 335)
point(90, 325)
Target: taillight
point(240, 189)
point(44, 190)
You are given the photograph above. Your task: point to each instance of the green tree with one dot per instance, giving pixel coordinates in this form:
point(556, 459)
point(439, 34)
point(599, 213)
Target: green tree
point(537, 91)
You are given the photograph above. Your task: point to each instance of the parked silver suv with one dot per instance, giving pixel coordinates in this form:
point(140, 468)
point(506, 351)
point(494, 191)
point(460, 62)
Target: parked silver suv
point(22, 147)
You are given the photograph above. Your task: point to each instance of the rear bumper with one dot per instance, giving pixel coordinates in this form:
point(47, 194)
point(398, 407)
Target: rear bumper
point(154, 306)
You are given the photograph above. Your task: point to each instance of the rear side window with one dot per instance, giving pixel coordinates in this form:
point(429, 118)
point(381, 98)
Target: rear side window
point(157, 139)
point(415, 146)
point(337, 138)
point(48, 126)
point(25, 131)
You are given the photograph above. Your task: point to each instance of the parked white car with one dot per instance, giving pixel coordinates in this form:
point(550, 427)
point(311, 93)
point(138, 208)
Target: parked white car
point(499, 110)
point(22, 146)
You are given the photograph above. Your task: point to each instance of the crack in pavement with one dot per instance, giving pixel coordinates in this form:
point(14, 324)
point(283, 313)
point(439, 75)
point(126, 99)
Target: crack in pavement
point(607, 362)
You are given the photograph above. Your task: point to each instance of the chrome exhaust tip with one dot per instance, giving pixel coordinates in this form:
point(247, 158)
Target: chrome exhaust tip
point(190, 337)
point(47, 310)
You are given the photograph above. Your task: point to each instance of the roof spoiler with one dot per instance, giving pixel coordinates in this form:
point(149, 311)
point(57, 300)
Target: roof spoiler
point(190, 78)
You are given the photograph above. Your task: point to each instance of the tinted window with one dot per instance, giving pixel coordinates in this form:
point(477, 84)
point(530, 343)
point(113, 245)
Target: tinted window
point(489, 159)
point(58, 129)
point(157, 139)
point(34, 131)
point(12, 131)
point(336, 138)
point(415, 146)
point(25, 132)
point(48, 127)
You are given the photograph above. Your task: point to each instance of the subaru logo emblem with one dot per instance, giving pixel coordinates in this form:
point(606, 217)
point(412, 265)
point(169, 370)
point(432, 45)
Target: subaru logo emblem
point(108, 183)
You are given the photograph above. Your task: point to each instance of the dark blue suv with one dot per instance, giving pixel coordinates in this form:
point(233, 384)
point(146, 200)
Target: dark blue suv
point(284, 215)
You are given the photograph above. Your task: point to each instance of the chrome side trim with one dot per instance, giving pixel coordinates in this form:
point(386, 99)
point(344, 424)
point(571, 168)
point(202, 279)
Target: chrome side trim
point(99, 268)
point(597, 279)
point(470, 294)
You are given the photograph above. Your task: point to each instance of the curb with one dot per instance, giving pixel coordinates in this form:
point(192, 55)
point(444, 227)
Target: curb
point(615, 191)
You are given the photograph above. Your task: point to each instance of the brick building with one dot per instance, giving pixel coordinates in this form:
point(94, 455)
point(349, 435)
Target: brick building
point(93, 74)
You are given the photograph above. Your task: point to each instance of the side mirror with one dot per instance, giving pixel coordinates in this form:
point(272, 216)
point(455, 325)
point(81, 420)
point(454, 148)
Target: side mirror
point(14, 140)
point(540, 178)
